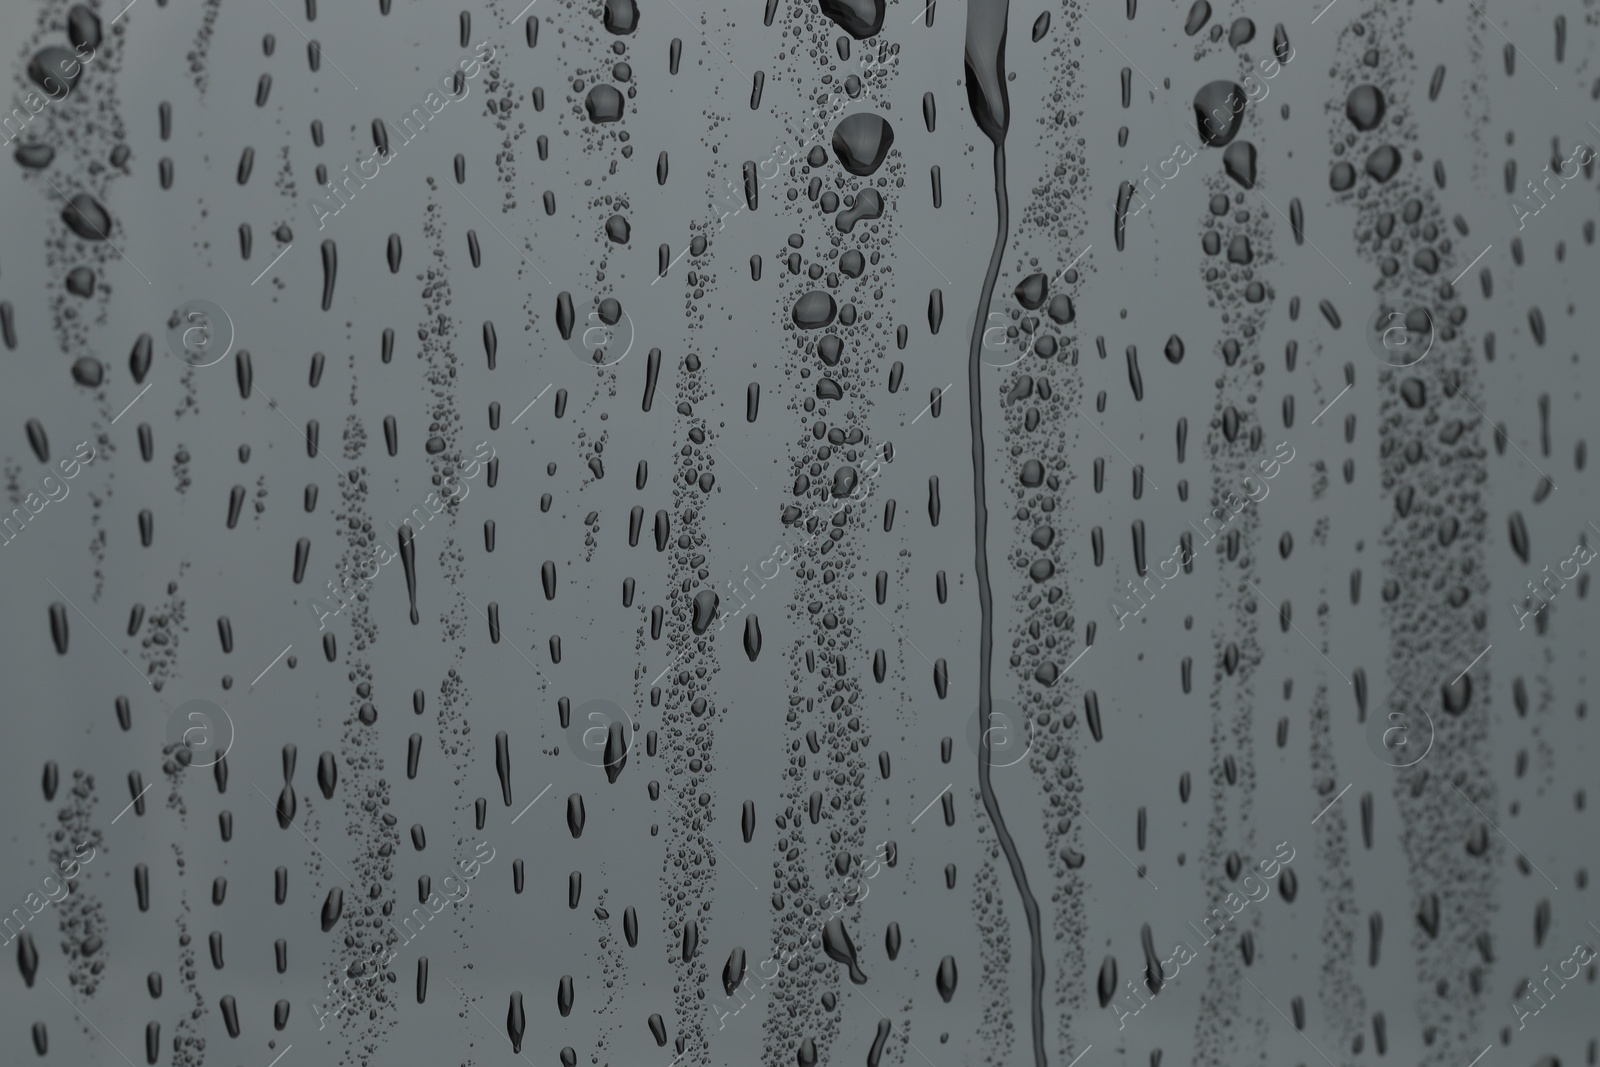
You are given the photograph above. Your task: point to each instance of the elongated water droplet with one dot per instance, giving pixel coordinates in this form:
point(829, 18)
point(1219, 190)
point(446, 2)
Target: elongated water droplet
point(332, 908)
point(27, 958)
point(502, 764)
point(516, 1022)
point(837, 944)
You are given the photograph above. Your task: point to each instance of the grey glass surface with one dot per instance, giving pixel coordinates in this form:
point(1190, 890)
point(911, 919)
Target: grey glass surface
point(932, 535)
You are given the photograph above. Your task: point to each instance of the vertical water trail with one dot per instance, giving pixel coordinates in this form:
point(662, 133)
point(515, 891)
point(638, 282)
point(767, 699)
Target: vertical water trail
point(1436, 656)
point(986, 94)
